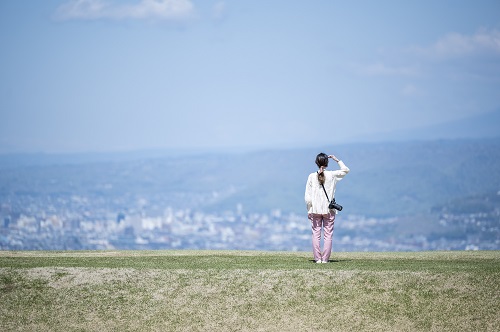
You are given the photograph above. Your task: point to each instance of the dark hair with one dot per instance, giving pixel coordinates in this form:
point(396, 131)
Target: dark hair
point(322, 160)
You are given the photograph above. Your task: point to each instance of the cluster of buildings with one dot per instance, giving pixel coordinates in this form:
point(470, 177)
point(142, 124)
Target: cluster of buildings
point(28, 226)
point(174, 229)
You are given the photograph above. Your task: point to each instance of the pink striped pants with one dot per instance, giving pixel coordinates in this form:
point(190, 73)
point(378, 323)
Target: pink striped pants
point(319, 221)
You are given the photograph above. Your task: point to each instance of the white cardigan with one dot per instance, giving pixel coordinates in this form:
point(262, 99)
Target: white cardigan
point(316, 201)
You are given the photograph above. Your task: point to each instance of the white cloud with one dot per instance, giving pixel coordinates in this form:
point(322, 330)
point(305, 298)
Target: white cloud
point(483, 42)
point(144, 9)
point(462, 55)
point(81, 9)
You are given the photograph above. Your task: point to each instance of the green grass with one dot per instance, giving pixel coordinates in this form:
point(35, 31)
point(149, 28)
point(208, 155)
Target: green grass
point(248, 291)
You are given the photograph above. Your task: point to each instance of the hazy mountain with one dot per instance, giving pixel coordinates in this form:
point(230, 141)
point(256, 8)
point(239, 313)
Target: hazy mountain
point(386, 179)
point(485, 125)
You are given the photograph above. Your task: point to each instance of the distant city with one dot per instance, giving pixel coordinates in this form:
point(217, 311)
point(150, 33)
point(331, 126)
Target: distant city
point(157, 202)
point(41, 227)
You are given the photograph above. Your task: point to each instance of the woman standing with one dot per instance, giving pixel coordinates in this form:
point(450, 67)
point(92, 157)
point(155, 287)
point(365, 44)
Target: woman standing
point(319, 185)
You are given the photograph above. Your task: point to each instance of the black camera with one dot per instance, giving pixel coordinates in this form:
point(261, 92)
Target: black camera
point(334, 205)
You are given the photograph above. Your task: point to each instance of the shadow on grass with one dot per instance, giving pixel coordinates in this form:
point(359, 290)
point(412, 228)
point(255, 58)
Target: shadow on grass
point(333, 260)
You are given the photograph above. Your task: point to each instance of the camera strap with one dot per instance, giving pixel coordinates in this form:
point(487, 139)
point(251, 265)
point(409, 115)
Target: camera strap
point(332, 203)
point(325, 192)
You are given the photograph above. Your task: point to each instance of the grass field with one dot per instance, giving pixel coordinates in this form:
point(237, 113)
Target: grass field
point(248, 291)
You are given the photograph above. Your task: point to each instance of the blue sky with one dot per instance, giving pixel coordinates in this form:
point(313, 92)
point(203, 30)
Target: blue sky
point(106, 75)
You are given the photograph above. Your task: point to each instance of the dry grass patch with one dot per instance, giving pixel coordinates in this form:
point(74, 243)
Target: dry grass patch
point(327, 297)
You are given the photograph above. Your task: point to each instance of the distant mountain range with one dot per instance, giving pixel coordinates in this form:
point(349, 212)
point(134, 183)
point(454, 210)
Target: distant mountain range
point(486, 125)
point(386, 179)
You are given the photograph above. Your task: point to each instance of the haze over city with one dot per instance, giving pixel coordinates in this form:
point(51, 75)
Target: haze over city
point(104, 75)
